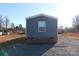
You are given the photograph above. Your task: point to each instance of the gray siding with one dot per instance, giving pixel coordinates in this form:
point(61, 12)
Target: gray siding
point(32, 27)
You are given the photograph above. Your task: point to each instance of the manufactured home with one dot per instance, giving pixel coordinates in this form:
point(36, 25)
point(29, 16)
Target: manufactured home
point(41, 28)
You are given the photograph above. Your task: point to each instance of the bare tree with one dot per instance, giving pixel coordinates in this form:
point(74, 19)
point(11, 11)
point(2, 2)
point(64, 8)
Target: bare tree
point(1, 21)
point(75, 23)
point(6, 23)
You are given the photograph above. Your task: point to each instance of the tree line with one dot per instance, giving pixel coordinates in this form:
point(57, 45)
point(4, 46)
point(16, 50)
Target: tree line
point(74, 28)
point(6, 26)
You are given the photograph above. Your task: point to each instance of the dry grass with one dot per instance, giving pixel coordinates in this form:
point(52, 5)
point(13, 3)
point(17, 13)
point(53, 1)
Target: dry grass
point(71, 34)
point(5, 38)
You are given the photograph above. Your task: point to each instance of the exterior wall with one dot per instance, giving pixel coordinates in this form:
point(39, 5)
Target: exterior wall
point(32, 27)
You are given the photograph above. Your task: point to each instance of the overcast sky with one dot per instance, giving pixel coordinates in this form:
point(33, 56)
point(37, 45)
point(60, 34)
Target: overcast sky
point(64, 11)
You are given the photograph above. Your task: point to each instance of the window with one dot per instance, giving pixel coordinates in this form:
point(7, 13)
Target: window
point(41, 26)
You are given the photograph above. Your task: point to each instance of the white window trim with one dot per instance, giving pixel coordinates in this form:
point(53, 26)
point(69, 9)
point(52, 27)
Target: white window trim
point(44, 30)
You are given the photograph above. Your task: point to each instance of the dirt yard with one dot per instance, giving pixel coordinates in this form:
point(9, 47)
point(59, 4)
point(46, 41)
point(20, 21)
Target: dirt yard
point(71, 34)
point(6, 38)
point(13, 36)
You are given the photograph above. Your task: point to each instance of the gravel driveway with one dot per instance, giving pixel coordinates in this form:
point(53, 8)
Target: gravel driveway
point(65, 47)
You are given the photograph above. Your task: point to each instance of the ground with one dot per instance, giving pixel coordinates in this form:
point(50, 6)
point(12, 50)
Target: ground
point(67, 45)
point(70, 34)
point(6, 38)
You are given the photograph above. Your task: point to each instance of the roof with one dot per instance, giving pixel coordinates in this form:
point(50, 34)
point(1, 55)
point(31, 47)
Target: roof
point(38, 15)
